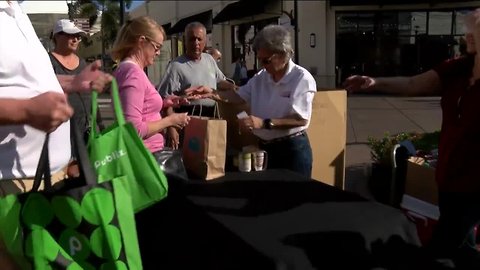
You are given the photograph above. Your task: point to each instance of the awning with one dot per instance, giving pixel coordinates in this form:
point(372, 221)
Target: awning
point(240, 9)
point(205, 18)
point(166, 27)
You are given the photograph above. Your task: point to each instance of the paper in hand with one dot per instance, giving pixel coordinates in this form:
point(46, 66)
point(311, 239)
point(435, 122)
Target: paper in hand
point(242, 115)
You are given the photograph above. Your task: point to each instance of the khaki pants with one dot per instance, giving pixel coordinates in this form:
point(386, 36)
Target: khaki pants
point(24, 185)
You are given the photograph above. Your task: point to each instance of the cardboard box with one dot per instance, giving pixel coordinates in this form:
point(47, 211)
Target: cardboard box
point(328, 136)
point(327, 133)
point(421, 198)
point(420, 181)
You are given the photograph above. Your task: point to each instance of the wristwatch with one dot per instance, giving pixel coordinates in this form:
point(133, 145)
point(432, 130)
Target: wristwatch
point(268, 124)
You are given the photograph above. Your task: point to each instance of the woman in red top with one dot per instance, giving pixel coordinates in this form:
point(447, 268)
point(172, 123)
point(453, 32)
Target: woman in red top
point(457, 82)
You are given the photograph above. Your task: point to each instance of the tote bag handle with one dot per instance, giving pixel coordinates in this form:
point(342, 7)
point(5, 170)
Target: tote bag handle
point(117, 108)
point(43, 168)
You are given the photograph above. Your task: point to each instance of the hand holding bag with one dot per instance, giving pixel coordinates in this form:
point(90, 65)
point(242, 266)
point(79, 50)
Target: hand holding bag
point(77, 225)
point(119, 151)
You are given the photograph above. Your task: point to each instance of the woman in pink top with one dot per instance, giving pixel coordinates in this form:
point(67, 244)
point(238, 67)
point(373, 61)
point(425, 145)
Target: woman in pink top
point(138, 43)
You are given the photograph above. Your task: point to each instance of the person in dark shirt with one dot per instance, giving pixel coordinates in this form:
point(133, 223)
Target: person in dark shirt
point(457, 81)
point(67, 36)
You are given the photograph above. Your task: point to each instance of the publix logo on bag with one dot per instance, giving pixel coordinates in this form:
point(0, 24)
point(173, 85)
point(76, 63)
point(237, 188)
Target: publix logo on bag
point(109, 158)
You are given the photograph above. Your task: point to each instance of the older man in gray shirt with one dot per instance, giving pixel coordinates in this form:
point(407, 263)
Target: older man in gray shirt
point(193, 69)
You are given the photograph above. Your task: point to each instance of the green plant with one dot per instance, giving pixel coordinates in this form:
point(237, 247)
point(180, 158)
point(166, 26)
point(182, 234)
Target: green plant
point(427, 141)
point(381, 149)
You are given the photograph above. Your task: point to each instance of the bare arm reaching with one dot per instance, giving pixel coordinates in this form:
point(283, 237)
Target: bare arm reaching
point(425, 84)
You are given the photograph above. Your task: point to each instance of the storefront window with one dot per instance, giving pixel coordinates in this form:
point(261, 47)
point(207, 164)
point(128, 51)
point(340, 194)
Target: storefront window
point(459, 28)
point(346, 23)
point(389, 22)
point(366, 22)
point(242, 39)
point(395, 43)
point(440, 23)
point(418, 22)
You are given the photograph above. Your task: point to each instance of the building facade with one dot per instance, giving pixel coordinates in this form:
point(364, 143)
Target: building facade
point(333, 39)
point(43, 15)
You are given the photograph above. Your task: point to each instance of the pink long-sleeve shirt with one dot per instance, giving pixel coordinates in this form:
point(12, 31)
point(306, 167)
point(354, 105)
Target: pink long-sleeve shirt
point(141, 102)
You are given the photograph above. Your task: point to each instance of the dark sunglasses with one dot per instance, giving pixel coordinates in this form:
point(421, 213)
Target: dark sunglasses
point(77, 36)
point(266, 61)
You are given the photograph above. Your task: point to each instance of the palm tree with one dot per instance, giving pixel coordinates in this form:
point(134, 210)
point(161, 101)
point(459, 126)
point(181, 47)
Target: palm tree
point(107, 10)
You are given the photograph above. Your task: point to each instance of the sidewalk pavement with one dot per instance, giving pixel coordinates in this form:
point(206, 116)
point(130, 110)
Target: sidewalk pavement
point(370, 115)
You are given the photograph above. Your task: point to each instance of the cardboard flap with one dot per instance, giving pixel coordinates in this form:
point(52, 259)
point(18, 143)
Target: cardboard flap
point(328, 136)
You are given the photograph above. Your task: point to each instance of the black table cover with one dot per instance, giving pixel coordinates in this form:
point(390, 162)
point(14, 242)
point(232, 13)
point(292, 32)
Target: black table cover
point(274, 219)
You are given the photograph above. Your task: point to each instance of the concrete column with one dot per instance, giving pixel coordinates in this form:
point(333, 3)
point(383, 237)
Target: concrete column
point(316, 42)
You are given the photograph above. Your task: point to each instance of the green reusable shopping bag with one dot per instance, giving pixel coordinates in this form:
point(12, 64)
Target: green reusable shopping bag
point(78, 224)
point(119, 151)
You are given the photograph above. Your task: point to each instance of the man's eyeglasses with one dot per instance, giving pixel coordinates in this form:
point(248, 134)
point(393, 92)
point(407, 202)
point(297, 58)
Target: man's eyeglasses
point(75, 36)
point(156, 46)
point(266, 61)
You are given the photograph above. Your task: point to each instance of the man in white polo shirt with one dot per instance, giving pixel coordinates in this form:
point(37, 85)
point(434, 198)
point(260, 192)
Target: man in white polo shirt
point(32, 100)
point(280, 98)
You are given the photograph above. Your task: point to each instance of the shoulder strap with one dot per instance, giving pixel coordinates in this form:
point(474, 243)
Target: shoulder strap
point(43, 169)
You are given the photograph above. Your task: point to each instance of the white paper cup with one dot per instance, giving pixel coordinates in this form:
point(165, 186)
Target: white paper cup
point(260, 160)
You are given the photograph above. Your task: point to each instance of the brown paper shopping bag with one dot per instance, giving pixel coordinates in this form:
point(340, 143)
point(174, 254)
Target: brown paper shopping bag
point(204, 147)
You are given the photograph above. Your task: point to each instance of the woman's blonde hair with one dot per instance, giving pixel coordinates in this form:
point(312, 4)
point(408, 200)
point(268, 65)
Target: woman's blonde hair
point(128, 35)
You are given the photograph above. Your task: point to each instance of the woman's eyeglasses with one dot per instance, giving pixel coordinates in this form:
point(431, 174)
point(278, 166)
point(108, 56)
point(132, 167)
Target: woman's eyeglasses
point(156, 46)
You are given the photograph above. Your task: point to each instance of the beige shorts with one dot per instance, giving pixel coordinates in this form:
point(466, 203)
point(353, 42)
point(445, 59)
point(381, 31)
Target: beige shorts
point(24, 185)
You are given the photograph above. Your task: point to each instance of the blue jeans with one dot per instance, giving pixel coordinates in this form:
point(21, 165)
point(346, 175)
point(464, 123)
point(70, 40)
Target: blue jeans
point(294, 154)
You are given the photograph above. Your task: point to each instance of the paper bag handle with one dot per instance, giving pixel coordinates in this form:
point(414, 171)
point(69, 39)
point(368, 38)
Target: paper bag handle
point(216, 110)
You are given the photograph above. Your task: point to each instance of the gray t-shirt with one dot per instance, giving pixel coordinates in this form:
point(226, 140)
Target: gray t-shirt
point(80, 102)
point(183, 73)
